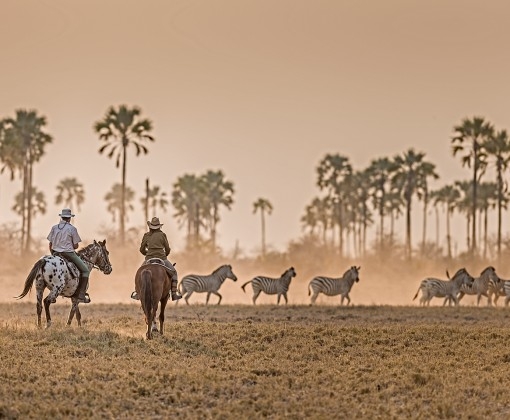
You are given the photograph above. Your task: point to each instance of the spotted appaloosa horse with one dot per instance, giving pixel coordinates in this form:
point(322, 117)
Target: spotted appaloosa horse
point(62, 278)
point(152, 284)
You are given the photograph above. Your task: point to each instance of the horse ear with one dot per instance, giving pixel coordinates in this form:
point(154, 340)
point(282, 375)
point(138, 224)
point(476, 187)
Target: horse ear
point(104, 242)
point(358, 268)
point(95, 242)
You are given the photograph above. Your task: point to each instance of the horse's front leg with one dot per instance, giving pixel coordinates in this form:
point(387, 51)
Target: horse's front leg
point(74, 309)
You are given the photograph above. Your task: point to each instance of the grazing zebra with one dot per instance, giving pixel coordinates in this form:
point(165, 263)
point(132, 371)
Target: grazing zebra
point(271, 286)
point(480, 286)
point(432, 287)
point(210, 283)
point(334, 286)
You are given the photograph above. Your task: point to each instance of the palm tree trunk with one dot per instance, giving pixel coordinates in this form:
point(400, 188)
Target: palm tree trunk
point(146, 200)
point(448, 236)
point(408, 227)
point(475, 188)
point(29, 207)
point(500, 202)
point(123, 196)
point(263, 227)
point(485, 224)
point(424, 226)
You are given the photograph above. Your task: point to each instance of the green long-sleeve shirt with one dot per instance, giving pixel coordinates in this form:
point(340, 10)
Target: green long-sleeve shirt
point(155, 245)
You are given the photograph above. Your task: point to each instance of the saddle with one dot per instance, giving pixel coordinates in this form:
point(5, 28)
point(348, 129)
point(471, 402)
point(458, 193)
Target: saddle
point(75, 273)
point(158, 261)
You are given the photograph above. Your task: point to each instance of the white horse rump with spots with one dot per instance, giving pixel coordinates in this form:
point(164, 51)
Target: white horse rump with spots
point(62, 278)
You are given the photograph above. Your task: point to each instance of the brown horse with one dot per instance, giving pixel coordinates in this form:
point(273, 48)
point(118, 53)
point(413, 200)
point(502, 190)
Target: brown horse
point(152, 285)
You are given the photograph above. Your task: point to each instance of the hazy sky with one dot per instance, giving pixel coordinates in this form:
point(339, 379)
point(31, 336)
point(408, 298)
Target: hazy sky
point(260, 89)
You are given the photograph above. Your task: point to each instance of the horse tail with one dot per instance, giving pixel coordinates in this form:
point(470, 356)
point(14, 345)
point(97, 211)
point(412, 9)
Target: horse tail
point(146, 294)
point(244, 285)
point(39, 265)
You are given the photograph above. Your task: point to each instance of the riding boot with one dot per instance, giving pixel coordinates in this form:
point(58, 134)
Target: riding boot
point(173, 287)
point(80, 291)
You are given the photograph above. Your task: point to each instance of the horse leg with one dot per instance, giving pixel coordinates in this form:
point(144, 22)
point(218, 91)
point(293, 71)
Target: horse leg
point(47, 302)
point(314, 297)
point(40, 292)
point(220, 297)
point(74, 306)
point(207, 298)
point(162, 314)
point(78, 315)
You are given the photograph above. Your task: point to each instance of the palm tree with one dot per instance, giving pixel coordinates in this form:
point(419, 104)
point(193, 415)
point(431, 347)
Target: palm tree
point(69, 192)
point(263, 206)
point(380, 172)
point(464, 205)
point(487, 198)
point(318, 213)
point(410, 179)
point(187, 199)
point(498, 147)
point(154, 199)
point(119, 199)
point(427, 170)
point(23, 144)
point(448, 196)
point(120, 128)
point(334, 173)
point(218, 192)
point(38, 203)
point(470, 137)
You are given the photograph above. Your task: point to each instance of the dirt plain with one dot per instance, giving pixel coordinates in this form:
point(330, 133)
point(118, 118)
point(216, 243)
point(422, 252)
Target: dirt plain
point(383, 357)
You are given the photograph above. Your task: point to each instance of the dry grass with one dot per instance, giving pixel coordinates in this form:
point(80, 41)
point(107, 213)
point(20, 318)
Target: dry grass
point(252, 362)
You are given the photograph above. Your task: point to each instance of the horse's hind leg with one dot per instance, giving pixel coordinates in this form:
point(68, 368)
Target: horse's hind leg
point(39, 306)
point(47, 303)
point(162, 314)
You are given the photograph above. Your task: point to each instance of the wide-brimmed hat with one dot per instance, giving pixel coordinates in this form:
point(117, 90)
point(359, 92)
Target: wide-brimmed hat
point(66, 213)
point(154, 223)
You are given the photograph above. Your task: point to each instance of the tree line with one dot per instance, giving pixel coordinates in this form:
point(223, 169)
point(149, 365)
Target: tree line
point(349, 201)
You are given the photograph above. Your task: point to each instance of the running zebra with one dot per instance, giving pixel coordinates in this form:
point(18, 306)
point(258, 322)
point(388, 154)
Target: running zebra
point(432, 287)
point(480, 286)
point(334, 286)
point(271, 286)
point(210, 284)
point(499, 288)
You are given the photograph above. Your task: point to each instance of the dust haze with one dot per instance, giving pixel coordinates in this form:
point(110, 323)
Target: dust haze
point(383, 280)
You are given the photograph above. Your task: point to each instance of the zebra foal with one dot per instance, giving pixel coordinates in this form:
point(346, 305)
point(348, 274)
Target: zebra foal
point(206, 284)
point(432, 287)
point(334, 286)
point(271, 286)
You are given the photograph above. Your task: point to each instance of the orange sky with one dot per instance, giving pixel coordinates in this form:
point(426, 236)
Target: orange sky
point(260, 89)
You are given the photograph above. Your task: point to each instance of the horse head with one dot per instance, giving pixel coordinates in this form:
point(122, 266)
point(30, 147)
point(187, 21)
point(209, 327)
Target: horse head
point(98, 255)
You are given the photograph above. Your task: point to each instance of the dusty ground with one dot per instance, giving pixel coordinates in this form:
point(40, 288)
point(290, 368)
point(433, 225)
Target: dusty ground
point(242, 361)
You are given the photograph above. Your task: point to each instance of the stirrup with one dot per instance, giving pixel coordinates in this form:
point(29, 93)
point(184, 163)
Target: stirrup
point(86, 299)
point(134, 296)
point(175, 296)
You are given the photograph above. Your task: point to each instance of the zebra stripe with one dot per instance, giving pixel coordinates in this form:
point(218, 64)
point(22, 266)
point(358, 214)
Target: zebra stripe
point(206, 284)
point(480, 286)
point(334, 286)
point(271, 286)
point(499, 288)
point(432, 287)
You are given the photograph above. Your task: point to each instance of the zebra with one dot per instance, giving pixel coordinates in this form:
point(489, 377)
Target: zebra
point(334, 286)
point(480, 286)
point(499, 287)
point(210, 283)
point(432, 287)
point(271, 286)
